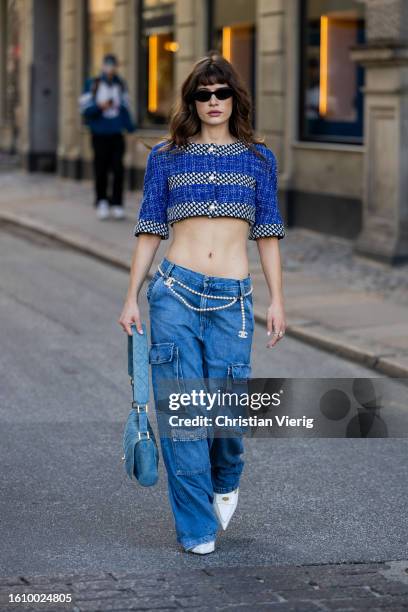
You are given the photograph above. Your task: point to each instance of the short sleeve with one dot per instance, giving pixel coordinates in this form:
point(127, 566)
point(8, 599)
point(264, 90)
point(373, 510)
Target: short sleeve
point(268, 220)
point(153, 208)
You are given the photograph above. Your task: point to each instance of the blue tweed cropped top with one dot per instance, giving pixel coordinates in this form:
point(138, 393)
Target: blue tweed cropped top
point(197, 179)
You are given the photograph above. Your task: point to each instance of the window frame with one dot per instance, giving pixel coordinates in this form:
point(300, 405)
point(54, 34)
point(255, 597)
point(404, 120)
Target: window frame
point(303, 136)
point(142, 71)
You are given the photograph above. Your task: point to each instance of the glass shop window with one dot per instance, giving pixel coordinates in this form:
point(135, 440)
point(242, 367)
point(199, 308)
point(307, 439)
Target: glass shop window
point(233, 34)
point(157, 58)
point(100, 33)
point(331, 105)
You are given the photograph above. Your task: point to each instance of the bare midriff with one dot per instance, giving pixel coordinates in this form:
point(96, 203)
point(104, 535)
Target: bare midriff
point(211, 246)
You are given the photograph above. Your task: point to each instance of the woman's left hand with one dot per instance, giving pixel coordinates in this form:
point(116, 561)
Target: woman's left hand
point(275, 323)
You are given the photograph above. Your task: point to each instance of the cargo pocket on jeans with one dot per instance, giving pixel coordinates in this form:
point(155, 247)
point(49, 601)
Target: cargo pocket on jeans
point(238, 376)
point(191, 452)
point(238, 373)
point(164, 358)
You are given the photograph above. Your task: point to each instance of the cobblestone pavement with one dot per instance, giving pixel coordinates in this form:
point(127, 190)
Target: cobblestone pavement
point(343, 587)
point(332, 258)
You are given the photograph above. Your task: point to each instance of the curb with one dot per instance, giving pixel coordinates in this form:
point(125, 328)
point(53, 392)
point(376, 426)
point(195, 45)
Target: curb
point(357, 354)
point(67, 238)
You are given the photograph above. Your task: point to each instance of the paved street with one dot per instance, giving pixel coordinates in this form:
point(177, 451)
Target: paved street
point(66, 504)
point(321, 523)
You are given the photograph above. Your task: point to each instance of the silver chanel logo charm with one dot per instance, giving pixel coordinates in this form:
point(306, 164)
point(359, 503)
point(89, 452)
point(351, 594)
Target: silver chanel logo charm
point(169, 281)
point(243, 334)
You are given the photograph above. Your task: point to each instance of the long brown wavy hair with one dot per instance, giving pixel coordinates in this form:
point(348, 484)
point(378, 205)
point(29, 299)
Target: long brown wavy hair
point(184, 121)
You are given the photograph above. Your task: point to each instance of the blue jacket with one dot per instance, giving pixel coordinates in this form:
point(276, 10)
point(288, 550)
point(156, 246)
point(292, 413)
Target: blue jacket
point(113, 120)
point(212, 180)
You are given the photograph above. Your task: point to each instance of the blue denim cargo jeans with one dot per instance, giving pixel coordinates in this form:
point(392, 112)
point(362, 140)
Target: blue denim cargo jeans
point(191, 345)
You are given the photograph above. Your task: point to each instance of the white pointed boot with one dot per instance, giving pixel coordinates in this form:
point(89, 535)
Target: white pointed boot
point(224, 506)
point(203, 549)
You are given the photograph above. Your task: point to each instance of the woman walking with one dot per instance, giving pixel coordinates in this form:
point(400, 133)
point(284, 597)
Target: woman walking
point(216, 185)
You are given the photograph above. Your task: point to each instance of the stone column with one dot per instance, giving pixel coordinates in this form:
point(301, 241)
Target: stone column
point(26, 61)
point(275, 26)
point(71, 130)
point(270, 78)
point(125, 47)
point(3, 41)
point(191, 35)
point(384, 236)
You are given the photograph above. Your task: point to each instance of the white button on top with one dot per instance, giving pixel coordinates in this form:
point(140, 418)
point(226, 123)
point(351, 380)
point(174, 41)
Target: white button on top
point(211, 177)
point(213, 206)
point(211, 149)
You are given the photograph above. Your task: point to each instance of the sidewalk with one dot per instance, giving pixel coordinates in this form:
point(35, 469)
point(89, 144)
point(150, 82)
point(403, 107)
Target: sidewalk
point(334, 300)
point(349, 587)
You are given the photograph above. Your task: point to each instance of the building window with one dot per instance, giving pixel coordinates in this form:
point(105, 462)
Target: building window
point(233, 34)
point(99, 39)
point(331, 91)
point(157, 59)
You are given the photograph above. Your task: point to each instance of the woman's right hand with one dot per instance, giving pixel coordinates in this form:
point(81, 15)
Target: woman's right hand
point(130, 314)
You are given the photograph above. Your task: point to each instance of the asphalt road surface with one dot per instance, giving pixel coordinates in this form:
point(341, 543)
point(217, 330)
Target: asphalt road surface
point(65, 502)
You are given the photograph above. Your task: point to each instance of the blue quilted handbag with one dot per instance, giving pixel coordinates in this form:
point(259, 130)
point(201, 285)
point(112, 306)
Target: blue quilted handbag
point(141, 455)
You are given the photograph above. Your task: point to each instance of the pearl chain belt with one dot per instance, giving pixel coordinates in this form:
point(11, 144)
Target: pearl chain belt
point(170, 280)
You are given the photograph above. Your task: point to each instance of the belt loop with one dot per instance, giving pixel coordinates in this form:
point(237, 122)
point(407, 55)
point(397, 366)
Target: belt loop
point(242, 288)
point(169, 267)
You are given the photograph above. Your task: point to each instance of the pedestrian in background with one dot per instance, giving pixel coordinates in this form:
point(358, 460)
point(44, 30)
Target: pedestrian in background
point(104, 104)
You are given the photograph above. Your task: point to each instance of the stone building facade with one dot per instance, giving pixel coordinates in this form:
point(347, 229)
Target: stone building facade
point(328, 80)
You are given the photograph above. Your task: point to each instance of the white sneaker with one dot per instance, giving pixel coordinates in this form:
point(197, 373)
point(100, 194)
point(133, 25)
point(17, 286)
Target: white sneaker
point(203, 549)
point(102, 209)
point(117, 212)
point(224, 505)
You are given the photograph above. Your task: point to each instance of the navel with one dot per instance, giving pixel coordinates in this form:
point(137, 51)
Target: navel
point(210, 254)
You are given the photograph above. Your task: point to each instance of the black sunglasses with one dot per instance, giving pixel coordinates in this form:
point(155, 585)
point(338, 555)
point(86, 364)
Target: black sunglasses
point(204, 95)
